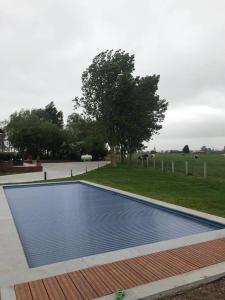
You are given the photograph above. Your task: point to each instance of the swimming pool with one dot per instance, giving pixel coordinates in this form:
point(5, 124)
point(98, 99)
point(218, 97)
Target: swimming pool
point(62, 221)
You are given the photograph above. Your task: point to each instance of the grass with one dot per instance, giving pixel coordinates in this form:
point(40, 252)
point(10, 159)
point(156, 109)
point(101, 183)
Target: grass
point(207, 195)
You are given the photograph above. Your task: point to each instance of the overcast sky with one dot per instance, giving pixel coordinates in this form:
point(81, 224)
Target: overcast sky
point(45, 46)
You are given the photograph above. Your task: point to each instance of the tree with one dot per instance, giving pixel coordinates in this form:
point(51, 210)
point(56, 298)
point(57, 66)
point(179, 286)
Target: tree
point(53, 115)
point(2, 136)
point(33, 135)
point(204, 149)
point(83, 137)
point(50, 114)
point(105, 83)
point(186, 149)
point(126, 108)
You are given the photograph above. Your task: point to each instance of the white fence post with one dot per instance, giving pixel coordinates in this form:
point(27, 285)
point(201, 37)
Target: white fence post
point(162, 165)
point(154, 163)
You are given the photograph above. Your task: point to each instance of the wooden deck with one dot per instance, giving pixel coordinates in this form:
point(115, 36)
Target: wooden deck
point(102, 280)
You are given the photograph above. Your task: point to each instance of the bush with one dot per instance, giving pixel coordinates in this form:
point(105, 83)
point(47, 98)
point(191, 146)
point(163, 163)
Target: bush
point(6, 156)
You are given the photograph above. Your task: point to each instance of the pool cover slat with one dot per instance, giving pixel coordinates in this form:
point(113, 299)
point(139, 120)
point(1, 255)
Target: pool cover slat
point(58, 222)
point(105, 279)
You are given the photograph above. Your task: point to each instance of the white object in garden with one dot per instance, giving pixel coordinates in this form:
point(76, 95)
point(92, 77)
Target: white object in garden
point(86, 157)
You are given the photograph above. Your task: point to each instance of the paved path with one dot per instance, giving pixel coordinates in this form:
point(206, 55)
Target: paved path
point(54, 171)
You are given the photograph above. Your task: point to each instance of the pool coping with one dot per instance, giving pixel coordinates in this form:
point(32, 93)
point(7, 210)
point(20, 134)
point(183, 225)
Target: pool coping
point(13, 265)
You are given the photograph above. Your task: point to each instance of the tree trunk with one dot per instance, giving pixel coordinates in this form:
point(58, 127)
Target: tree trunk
point(113, 156)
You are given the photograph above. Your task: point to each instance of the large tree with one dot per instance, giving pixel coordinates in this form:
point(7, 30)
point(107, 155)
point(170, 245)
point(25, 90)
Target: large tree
point(127, 108)
point(105, 84)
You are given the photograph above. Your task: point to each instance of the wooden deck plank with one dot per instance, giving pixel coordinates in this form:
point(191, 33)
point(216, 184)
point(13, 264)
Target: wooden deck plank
point(172, 264)
point(102, 280)
point(86, 290)
point(187, 267)
point(201, 259)
point(100, 287)
point(23, 292)
point(69, 289)
point(157, 264)
point(122, 276)
point(184, 258)
point(215, 250)
point(108, 278)
point(209, 256)
point(136, 271)
point(129, 273)
point(38, 290)
point(53, 289)
point(149, 274)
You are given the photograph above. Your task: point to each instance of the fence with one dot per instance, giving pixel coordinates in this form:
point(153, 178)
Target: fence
point(200, 168)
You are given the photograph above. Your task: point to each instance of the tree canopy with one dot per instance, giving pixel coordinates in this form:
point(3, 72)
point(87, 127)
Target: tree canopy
point(31, 134)
point(126, 108)
point(186, 149)
point(83, 137)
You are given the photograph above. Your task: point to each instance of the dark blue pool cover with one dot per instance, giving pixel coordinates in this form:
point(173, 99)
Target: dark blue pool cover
point(58, 222)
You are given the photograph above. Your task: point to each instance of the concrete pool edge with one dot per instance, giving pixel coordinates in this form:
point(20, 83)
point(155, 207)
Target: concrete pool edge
point(23, 273)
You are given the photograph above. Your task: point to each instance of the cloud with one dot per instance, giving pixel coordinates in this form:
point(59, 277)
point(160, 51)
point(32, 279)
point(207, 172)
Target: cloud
point(46, 45)
point(195, 125)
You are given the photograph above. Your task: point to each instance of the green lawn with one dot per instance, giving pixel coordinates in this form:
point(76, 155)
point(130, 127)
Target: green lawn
point(206, 195)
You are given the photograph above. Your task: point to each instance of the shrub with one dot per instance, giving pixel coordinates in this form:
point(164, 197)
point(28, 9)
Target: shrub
point(6, 156)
